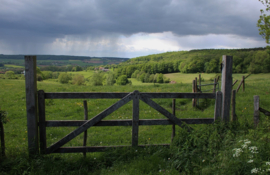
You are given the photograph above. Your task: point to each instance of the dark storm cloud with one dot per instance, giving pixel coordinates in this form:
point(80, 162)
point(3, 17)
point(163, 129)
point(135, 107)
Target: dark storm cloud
point(23, 23)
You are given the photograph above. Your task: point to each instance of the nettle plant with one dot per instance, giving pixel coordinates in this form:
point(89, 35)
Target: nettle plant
point(248, 155)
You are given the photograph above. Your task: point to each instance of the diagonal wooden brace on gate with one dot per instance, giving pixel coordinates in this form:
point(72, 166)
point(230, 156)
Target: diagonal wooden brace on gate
point(90, 123)
point(160, 109)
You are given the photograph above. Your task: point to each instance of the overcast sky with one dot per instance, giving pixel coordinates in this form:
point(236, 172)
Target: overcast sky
point(126, 28)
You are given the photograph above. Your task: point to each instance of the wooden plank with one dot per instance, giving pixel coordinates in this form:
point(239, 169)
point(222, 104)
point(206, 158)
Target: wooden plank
point(233, 115)
point(90, 123)
point(239, 86)
point(218, 105)
point(226, 87)
point(31, 104)
point(85, 118)
point(135, 119)
point(99, 148)
point(256, 110)
point(247, 76)
point(2, 135)
point(243, 80)
point(121, 95)
point(84, 95)
point(215, 85)
point(66, 123)
point(42, 124)
point(234, 83)
point(193, 90)
point(160, 109)
point(173, 126)
point(265, 112)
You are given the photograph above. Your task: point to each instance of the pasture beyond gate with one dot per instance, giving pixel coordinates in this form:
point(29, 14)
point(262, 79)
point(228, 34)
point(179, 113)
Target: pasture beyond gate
point(37, 125)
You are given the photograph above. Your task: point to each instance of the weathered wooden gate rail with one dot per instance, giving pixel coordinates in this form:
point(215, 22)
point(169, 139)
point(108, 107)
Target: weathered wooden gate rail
point(83, 125)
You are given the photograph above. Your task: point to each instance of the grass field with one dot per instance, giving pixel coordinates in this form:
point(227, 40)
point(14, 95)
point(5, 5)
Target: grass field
point(128, 161)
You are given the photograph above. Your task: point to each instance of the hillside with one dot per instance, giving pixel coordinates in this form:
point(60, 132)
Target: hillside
point(253, 60)
point(62, 60)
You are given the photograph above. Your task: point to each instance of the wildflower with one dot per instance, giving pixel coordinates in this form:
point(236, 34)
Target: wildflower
point(254, 170)
point(136, 150)
point(23, 138)
point(237, 152)
point(100, 142)
point(203, 160)
point(268, 170)
point(149, 138)
point(267, 163)
point(94, 158)
point(250, 161)
point(253, 149)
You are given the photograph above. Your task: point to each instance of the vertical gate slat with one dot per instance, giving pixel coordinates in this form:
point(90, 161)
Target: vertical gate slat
point(173, 126)
point(135, 119)
point(218, 105)
point(42, 120)
point(85, 118)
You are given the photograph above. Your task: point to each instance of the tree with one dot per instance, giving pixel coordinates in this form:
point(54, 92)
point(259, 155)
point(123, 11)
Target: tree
point(97, 79)
point(64, 78)
point(264, 22)
point(10, 75)
point(122, 80)
point(78, 79)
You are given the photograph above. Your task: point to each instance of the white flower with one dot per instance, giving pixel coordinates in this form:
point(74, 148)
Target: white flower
point(267, 163)
point(268, 170)
point(237, 152)
point(253, 149)
point(254, 170)
point(250, 161)
point(203, 160)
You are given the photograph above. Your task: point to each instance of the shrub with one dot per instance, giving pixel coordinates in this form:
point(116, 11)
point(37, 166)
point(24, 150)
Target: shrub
point(10, 75)
point(64, 78)
point(96, 79)
point(55, 75)
point(47, 74)
point(122, 80)
point(160, 78)
point(78, 79)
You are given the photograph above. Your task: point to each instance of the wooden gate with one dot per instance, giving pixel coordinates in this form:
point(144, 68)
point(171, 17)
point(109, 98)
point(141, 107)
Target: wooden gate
point(136, 96)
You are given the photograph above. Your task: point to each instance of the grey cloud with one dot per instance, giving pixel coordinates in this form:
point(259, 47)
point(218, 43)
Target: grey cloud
point(44, 20)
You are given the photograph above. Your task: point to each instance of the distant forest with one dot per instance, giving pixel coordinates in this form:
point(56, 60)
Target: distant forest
point(254, 60)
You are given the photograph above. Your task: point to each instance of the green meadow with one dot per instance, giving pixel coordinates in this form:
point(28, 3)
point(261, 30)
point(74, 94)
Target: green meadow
point(206, 150)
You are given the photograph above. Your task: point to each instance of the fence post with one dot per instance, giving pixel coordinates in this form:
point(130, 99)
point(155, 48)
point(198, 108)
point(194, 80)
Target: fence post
point(234, 117)
point(218, 105)
point(243, 80)
point(2, 139)
point(31, 104)
point(256, 110)
point(42, 126)
point(173, 126)
point(85, 118)
point(215, 85)
point(200, 80)
point(193, 90)
point(135, 119)
point(226, 87)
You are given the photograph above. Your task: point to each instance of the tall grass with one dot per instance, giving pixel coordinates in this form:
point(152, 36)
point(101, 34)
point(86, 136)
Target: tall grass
point(208, 149)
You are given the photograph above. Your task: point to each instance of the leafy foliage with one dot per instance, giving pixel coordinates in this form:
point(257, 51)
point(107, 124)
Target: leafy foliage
point(64, 78)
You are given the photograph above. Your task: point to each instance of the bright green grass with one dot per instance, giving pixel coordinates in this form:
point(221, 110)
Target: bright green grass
point(12, 100)
point(86, 74)
point(13, 66)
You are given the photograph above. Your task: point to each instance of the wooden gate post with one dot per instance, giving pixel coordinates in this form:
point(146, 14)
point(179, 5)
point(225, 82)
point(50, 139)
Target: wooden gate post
point(226, 87)
point(256, 110)
point(135, 119)
point(31, 104)
point(173, 126)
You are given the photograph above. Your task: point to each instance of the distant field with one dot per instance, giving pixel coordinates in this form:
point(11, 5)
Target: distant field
point(13, 66)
